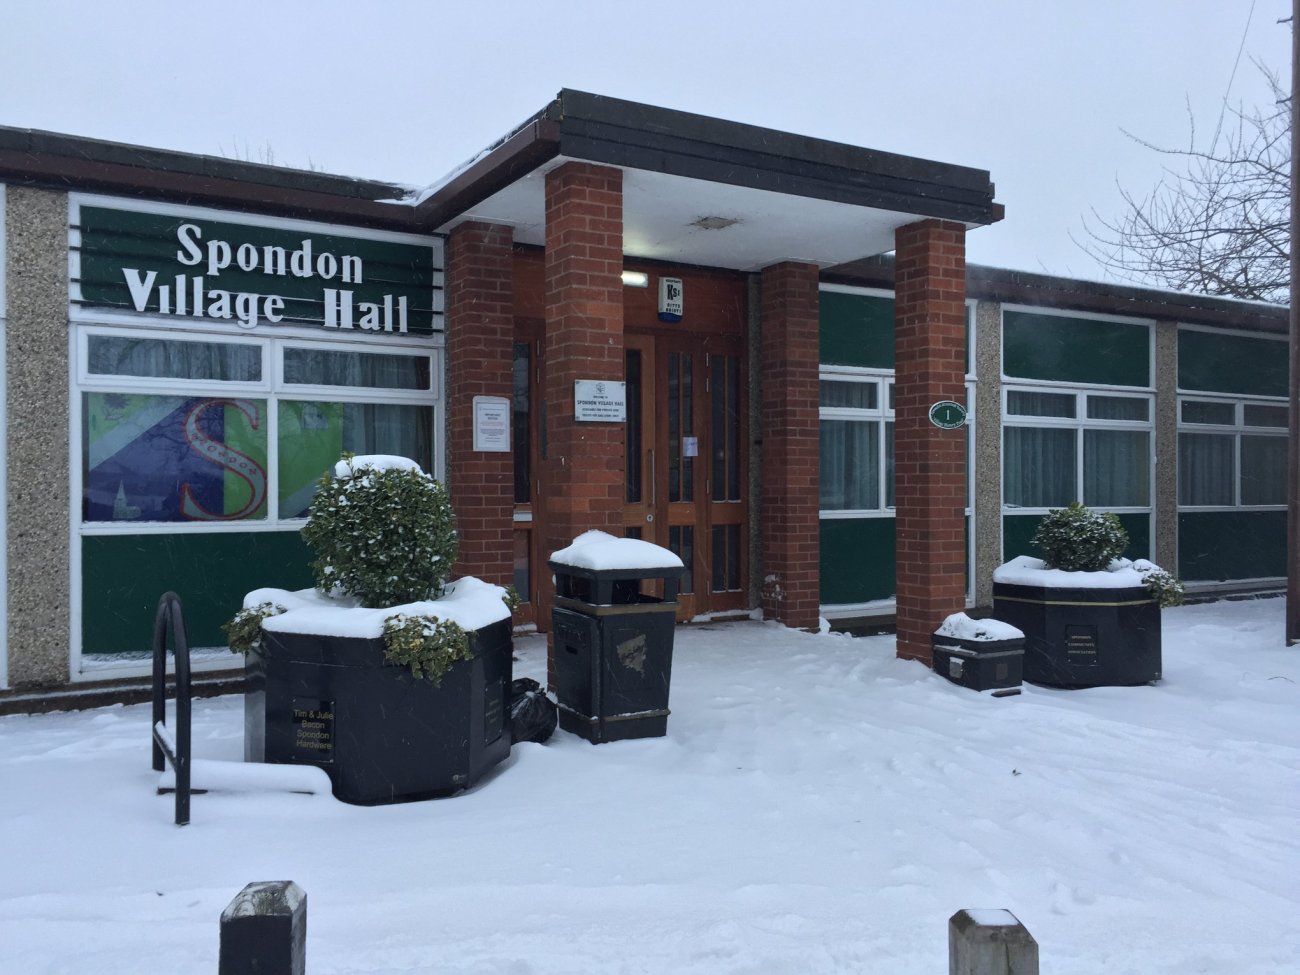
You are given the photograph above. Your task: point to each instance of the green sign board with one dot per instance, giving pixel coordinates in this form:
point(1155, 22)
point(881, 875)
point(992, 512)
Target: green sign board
point(947, 415)
point(201, 266)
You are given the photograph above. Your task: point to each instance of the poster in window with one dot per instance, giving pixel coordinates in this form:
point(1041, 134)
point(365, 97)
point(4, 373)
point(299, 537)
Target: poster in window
point(174, 458)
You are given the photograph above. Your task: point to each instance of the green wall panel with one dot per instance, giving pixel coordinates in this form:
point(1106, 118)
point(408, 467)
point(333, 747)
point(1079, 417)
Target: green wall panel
point(1075, 350)
point(1217, 363)
point(1217, 546)
point(122, 577)
point(113, 241)
point(1017, 530)
point(857, 560)
point(856, 330)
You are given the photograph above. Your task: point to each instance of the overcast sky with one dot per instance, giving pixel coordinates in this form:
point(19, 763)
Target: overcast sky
point(1035, 91)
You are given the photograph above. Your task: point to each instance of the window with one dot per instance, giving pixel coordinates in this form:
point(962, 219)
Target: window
point(1231, 453)
point(227, 429)
point(1062, 446)
point(857, 443)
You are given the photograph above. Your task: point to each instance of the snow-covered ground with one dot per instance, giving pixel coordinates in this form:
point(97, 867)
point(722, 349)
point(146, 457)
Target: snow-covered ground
point(817, 806)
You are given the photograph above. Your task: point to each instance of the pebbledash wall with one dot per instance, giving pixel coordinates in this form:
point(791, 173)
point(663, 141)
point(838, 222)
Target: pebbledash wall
point(176, 377)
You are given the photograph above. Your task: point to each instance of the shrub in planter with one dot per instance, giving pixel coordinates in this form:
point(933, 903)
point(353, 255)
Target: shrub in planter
point(386, 675)
point(1078, 539)
point(382, 531)
point(1089, 616)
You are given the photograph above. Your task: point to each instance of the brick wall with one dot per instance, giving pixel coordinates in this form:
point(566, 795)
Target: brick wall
point(480, 337)
point(582, 468)
point(789, 355)
point(929, 463)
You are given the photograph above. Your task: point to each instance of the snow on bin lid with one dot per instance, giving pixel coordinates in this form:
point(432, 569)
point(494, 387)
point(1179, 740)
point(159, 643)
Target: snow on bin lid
point(375, 462)
point(959, 626)
point(600, 550)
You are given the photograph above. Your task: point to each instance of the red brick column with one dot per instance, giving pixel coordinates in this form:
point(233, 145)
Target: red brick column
point(480, 350)
point(789, 354)
point(929, 463)
point(582, 468)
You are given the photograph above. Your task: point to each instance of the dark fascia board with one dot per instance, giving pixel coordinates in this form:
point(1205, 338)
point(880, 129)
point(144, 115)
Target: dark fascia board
point(522, 151)
point(1069, 294)
point(74, 163)
point(622, 133)
point(614, 132)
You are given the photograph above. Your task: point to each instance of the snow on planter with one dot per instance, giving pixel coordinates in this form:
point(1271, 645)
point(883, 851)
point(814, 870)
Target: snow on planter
point(1083, 629)
point(470, 602)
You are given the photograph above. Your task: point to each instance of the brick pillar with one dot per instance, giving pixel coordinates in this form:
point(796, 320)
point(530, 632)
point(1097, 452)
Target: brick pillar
point(929, 463)
point(480, 349)
point(789, 356)
point(582, 466)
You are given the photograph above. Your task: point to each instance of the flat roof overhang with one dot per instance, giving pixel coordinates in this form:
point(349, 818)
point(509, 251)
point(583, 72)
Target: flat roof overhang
point(51, 160)
point(696, 190)
point(701, 190)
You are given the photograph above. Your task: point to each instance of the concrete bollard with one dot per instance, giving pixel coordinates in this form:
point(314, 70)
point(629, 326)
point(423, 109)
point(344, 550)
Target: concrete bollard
point(264, 930)
point(990, 942)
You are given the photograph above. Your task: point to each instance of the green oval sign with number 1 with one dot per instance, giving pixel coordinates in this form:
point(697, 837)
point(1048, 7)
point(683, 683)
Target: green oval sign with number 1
point(947, 415)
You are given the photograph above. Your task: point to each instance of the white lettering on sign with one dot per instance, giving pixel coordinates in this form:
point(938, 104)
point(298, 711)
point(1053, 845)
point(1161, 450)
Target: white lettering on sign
point(270, 259)
point(190, 296)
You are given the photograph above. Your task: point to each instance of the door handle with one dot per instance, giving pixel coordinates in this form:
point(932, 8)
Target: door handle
point(654, 481)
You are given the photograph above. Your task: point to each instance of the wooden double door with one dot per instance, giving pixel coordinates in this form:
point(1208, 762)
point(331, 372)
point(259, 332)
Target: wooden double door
point(686, 481)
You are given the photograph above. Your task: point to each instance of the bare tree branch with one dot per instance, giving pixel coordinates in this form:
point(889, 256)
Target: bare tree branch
point(1218, 221)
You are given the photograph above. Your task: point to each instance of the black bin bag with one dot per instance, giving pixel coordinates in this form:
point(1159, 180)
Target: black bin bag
point(532, 714)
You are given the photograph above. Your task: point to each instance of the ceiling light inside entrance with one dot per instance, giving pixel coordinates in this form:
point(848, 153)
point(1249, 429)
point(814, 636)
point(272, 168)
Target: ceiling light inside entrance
point(715, 223)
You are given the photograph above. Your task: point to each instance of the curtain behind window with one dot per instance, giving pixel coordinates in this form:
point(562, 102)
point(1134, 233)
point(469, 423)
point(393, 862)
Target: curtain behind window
point(120, 355)
point(1263, 470)
point(850, 465)
point(1038, 467)
point(1206, 469)
point(1116, 468)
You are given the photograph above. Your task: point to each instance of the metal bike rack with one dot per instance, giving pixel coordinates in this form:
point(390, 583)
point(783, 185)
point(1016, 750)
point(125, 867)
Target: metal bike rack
point(176, 750)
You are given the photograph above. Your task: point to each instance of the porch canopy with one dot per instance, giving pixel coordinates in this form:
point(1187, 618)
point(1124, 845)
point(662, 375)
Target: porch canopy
point(706, 191)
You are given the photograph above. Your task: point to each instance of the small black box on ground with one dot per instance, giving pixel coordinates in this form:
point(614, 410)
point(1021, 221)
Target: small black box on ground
point(981, 665)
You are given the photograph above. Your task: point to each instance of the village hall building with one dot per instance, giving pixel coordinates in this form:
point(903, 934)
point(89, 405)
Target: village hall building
point(764, 351)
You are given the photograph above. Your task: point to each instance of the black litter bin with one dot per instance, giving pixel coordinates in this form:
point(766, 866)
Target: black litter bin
point(613, 650)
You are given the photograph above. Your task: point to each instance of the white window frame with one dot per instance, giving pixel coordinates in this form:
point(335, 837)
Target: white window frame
point(271, 389)
point(1079, 423)
point(1237, 429)
point(882, 414)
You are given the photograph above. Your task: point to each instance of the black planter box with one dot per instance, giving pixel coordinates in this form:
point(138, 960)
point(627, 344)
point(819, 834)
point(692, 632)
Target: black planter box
point(380, 734)
point(1084, 637)
point(981, 665)
point(613, 651)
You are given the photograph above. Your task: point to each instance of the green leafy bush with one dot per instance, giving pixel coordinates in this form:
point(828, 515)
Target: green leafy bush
point(1164, 586)
point(426, 644)
point(1078, 539)
point(385, 536)
point(244, 631)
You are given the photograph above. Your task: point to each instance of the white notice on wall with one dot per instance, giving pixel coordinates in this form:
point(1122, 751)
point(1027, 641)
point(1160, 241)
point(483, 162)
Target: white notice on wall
point(599, 401)
point(492, 424)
